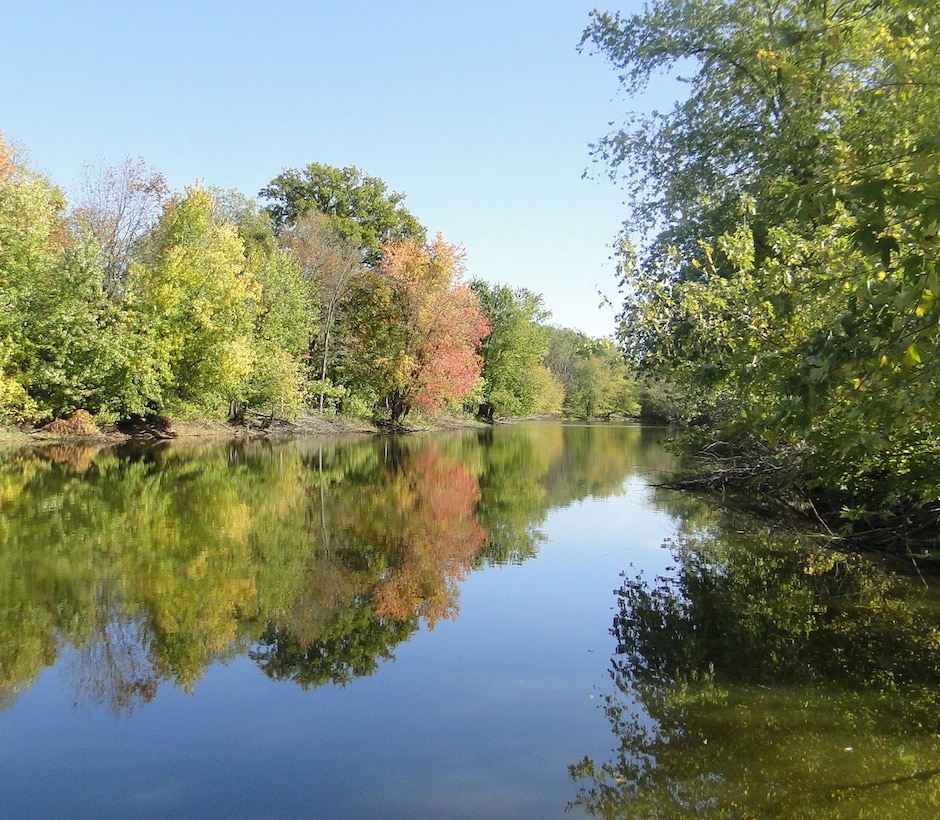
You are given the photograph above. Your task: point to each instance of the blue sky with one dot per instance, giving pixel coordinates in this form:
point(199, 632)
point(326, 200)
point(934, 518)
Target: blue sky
point(481, 113)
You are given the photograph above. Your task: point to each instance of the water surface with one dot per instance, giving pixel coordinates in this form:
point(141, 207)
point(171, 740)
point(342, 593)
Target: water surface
point(498, 623)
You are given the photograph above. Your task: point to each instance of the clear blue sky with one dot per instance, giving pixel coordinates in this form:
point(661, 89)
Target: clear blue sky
point(480, 112)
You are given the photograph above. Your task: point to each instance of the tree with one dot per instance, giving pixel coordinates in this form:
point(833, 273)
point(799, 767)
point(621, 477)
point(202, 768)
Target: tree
point(118, 205)
point(515, 379)
point(417, 328)
point(57, 345)
point(793, 200)
point(600, 383)
point(284, 322)
point(193, 309)
point(29, 208)
point(329, 264)
point(358, 206)
point(595, 379)
point(251, 221)
point(564, 346)
point(284, 310)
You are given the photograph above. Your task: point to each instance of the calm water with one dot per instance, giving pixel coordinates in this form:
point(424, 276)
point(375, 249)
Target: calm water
point(505, 623)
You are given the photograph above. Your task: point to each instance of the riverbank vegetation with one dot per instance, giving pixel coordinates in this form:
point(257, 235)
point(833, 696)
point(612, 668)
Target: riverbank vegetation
point(780, 261)
point(131, 302)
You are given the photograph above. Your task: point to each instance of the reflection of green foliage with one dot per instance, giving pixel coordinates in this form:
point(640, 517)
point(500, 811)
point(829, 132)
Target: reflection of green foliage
point(351, 647)
point(512, 495)
point(766, 677)
point(323, 555)
point(532, 468)
point(168, 535)
point(597, 457)
point(27, 643)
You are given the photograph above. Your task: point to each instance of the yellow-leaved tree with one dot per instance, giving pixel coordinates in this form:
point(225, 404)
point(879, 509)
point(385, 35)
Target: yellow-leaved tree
point(192, 302)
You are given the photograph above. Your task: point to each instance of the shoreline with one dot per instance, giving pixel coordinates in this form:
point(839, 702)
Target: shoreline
point(204, 429)
point(193, 429)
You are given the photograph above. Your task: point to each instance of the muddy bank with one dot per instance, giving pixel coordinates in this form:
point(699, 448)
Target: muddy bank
point(80, 427)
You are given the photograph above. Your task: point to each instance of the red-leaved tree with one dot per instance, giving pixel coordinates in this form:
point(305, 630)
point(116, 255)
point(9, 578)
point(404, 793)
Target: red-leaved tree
point(420, 327)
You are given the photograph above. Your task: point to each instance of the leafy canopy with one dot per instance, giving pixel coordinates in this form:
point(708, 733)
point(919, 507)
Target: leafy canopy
point(417, 328)
point(359, 206)
point(788, 211)
point(516, 381)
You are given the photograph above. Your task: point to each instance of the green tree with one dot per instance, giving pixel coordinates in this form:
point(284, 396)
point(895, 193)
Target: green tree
point(252, 222)
point(359, 206)
point(564, 346)
point(515, 379)
point(284, 322)
point(193, 309)
point(600, 383)
point(793, 199)
point(330, 265)
point(57, 340)
point(594, 376)
point(285, 315)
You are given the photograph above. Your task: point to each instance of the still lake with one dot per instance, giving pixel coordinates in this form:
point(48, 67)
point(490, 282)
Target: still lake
point(504, 623)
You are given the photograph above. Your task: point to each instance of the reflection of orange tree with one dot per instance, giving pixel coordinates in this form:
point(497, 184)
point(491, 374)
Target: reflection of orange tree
point(403, 533)
point(396, 538)
point(434, 540)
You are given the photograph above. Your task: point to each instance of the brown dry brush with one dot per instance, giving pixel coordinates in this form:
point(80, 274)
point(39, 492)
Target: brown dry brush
point(775, 482)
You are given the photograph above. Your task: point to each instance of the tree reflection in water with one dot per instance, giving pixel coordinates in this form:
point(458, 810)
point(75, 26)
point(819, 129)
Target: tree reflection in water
point(316, 558)
point(763, 676)
point(114, 666)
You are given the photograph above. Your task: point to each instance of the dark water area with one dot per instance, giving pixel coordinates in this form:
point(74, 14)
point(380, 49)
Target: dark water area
point(512, 623)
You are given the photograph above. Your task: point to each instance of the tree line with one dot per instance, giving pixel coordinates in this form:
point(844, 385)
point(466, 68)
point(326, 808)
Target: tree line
point(780, 261)
point(324, 294)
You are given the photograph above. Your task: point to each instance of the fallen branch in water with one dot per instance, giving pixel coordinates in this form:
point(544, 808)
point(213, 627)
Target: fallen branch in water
point(267, 422)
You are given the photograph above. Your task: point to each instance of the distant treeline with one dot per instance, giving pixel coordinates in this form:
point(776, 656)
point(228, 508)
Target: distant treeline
point(131, 300)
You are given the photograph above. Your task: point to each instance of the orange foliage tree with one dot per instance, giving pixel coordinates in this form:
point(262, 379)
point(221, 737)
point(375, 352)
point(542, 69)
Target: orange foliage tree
point(419, 328)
